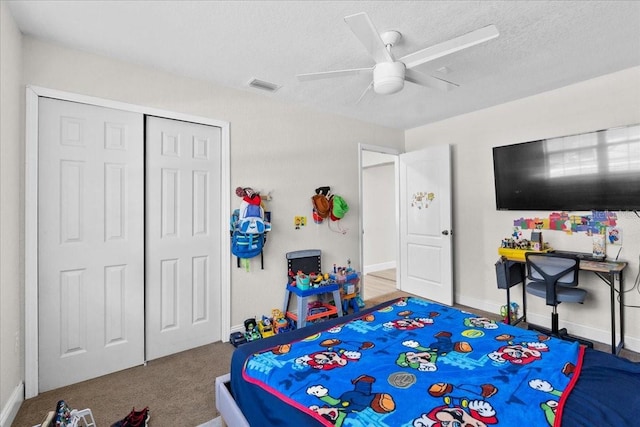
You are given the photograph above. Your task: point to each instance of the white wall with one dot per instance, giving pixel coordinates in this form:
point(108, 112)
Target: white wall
point(11, 157)
point(274, 147)
point(378, 204)
point(604, 102)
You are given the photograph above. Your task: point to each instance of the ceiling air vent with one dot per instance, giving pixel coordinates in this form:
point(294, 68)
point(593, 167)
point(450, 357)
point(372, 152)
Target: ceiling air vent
point(261, 84)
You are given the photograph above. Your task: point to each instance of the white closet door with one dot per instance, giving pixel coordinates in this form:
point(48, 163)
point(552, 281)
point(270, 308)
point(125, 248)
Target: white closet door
point(91, 242)
point(183, 236)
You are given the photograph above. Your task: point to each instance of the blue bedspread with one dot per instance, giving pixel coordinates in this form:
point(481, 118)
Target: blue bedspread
point(409, 362)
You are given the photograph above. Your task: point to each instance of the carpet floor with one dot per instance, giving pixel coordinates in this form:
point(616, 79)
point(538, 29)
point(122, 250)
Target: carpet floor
point(178, 389)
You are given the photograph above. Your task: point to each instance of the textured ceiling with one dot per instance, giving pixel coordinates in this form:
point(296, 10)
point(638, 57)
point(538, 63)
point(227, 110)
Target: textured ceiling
point(543, 45)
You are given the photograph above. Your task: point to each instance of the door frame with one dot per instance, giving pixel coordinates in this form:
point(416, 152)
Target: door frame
point(396, 153)
point(33, 93)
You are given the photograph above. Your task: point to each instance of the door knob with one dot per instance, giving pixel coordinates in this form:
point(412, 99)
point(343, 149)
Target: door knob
point(445, 232)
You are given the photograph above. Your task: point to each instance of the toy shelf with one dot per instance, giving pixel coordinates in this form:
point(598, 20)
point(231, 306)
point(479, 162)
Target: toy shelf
point(303, 303)
point(330, 310)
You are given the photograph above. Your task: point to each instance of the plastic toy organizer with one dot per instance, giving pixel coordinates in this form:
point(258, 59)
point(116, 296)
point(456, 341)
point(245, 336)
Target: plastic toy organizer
point(306, 312)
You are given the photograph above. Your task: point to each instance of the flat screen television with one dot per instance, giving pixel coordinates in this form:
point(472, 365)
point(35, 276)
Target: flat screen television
point(591, 171)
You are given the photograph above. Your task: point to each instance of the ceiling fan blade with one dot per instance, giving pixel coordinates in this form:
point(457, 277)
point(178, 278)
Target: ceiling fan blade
point(367, 94)
point(429, 81)
point(450, 46)
point(330, 74)
point(363, 28)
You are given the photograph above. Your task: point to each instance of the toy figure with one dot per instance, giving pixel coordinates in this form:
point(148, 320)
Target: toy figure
point(509, 314)
point(265, 327)
point(280, 323)
point(251, 331)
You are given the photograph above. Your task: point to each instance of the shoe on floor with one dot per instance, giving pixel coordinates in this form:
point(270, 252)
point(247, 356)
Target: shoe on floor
point(134, 419)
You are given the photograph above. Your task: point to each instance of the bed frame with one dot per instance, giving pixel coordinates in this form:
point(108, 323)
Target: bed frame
point(231, 415)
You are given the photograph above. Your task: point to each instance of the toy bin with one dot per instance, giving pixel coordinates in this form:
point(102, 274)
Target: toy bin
point(302, 282)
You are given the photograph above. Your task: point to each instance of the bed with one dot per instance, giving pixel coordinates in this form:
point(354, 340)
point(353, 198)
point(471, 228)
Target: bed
point(412, 362)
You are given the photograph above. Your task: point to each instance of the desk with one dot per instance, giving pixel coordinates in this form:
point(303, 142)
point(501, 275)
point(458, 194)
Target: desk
point(607, 272)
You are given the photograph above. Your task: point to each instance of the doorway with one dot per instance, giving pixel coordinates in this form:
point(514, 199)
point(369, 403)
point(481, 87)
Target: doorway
point(218, 296)
point(379, 220)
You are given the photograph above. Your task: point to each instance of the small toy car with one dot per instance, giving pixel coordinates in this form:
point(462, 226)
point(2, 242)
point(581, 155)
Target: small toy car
point(237, 338)
point(251, 330)
point(280, 323)
point(265, 327)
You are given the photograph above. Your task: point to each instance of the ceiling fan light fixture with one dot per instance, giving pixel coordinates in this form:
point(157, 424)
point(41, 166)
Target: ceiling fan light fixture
point(388, 77)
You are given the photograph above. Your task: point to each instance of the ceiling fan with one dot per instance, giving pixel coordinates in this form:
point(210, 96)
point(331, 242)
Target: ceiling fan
point(389, 74)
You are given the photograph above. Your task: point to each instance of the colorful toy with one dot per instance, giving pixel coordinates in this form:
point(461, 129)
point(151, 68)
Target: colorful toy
point(280, 323)
point(251, 330)
point(237, 338)
point(302, 281)
point(509, 316)
point(265, 327)
point(316, 307)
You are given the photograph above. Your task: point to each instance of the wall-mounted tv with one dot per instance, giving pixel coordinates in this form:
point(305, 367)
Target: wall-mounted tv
point(591, 171)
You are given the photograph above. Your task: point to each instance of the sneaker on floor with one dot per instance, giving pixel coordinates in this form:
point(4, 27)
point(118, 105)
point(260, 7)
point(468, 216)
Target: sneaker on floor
point(134, 419)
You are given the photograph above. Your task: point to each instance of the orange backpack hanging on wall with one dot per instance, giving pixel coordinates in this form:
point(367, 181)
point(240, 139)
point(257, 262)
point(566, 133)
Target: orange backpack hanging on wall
point(321, 204)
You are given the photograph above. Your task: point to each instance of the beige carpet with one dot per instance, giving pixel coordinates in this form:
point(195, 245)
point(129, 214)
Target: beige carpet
point(178, 389)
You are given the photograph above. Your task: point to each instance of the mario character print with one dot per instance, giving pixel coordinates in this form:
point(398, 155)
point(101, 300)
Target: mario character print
point(424, 358)
point(519, 354)
point(464, 405)
point(480, 322)
point(337, 409)
point(333, 357)
point(407, 323)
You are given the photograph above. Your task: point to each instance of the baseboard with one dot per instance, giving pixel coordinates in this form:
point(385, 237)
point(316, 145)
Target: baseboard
point(593, 334)
point(378, 267)
point(12, 407)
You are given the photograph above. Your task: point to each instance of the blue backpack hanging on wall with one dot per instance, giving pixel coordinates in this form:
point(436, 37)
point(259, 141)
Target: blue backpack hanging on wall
point(248, 226)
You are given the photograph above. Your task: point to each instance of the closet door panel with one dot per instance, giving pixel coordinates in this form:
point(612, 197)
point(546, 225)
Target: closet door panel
point(90, 240)
point(183, 249)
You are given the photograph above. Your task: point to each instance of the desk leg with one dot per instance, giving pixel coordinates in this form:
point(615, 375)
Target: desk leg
point(621, 293)
point(524, 300)
point(612, 282)
point(508, 305)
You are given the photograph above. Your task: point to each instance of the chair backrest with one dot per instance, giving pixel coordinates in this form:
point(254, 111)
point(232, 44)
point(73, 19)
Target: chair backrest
point(553, 269)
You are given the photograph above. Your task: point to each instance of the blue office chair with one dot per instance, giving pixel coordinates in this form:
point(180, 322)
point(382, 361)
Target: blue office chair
point(554, 277)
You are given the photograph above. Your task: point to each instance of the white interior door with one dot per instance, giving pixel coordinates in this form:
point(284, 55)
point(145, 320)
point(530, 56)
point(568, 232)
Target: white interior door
point(90, 239)
point(183, 236)
point(425, 224)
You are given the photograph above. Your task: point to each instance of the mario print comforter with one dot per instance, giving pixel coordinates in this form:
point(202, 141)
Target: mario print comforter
point(416, 363)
